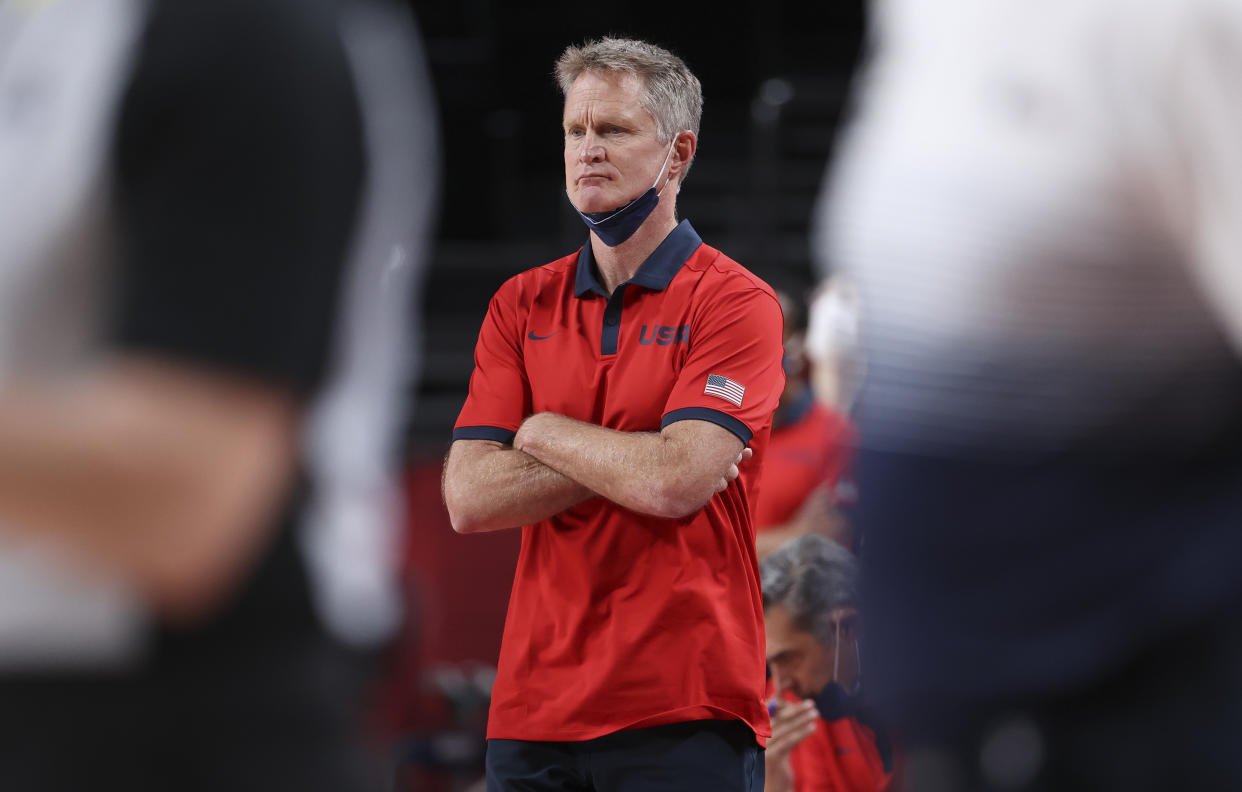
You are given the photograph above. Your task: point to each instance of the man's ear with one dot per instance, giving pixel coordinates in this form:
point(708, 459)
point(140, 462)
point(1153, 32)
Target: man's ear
point(686, 143)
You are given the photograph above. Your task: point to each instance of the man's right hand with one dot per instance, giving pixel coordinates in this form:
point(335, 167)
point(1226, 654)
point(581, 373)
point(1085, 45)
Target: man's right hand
point(792, 722)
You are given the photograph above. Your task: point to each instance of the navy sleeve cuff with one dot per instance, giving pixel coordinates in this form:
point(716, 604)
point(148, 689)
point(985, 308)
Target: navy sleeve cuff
point(711, 416)
point(484, 433)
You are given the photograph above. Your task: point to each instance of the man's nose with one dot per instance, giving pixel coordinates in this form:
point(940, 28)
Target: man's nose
point(591, 151)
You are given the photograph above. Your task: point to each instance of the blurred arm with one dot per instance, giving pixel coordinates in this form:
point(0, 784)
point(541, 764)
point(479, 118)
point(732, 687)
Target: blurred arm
point(817, 514)
point(162, 472)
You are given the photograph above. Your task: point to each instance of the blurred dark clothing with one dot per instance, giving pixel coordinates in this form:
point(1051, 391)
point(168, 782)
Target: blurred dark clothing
point(238, 164)
point(1167, 719)
point(1027, 580)
point(275, 717)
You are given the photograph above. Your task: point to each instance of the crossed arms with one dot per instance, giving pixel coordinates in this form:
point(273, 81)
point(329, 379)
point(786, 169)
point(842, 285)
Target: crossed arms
point(556, 462)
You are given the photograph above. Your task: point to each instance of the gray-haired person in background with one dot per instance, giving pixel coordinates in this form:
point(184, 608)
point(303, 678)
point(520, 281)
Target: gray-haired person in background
point(823, 737)
point(1041, 205)
point(210, 229)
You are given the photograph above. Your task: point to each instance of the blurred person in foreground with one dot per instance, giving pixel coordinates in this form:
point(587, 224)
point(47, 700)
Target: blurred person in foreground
point(617, 396)
point(823, 738)
point(804, 474)
point(209, 228)
point(1042, 208)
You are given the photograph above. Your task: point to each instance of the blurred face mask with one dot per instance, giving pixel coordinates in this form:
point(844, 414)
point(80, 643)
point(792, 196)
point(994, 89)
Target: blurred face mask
point(834, 701)
point(794, 357)
point(618, 225)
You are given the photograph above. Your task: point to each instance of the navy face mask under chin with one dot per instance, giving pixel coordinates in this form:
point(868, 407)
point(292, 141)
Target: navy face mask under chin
point(618, 225)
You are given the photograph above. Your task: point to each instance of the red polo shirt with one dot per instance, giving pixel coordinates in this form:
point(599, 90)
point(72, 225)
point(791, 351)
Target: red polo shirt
point(841, 755)
point(811, 447)
point(619, 620)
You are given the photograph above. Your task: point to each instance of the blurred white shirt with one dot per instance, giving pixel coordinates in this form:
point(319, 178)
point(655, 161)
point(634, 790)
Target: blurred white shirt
point(62, 69)
point(1041, 204)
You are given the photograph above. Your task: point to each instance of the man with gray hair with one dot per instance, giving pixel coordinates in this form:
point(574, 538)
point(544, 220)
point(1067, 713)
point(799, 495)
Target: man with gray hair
point(821, 738)
point(616, 391)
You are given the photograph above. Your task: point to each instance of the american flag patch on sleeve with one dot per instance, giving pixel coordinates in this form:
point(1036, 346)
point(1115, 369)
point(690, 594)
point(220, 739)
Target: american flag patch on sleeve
point(725, 388)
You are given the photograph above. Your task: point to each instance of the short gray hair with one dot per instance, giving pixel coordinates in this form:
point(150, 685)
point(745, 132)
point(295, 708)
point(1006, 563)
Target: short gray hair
point(671, 93)
point(811, 577)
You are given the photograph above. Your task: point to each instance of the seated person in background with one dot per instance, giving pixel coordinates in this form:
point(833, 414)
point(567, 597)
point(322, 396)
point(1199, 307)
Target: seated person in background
point(822, 739)
point(808, 453)
point(831, 344)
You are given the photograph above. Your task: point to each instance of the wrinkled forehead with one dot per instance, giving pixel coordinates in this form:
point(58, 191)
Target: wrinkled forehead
point(616, 91)
point(630, 81)
point(782, 629)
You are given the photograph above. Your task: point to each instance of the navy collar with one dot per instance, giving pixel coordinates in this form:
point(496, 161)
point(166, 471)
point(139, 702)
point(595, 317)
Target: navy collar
point(657, 271)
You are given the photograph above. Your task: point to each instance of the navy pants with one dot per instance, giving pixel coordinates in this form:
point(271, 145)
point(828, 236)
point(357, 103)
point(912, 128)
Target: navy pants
point(721, 756)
